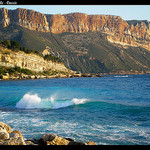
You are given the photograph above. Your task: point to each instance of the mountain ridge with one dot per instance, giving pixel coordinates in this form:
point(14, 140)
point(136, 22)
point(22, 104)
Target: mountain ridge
point(117, 29)
point(86, 43)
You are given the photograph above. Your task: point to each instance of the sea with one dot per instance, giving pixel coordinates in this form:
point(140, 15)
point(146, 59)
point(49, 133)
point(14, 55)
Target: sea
point(109, 110)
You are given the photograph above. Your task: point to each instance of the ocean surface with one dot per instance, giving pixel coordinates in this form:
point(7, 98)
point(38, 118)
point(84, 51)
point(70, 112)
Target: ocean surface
point(112, 110)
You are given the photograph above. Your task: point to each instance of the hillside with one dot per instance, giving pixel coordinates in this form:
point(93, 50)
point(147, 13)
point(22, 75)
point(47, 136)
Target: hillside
point(16, 63)
point(86, 43)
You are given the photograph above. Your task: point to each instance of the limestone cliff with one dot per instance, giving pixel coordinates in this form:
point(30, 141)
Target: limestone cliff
point(116, 29)
point(4, 19)
point(79, 22)
point(27, 18)
point(31, 61)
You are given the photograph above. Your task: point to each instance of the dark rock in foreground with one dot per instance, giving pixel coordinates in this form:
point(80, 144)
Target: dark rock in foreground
point(9, 137)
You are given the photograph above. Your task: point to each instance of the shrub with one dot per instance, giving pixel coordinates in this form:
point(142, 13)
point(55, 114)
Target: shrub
point(3, 70)
point(52, 58)
point(6, 43)
point(6, 52)
point(18, 69)
point(11, 70)
point(26, 71)
point(37, 52)
point(15, 45)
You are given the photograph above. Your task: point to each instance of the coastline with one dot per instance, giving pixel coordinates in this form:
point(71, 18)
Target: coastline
point(75, 120)
point(10, 137)
point(23, 76)
point(75, 75)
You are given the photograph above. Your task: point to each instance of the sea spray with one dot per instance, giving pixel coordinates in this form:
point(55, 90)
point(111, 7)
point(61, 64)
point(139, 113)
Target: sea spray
point(79, 101)
point(32, 101)
point(29, 101)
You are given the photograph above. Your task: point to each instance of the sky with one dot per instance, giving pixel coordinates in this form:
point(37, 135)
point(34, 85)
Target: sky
point(127, 12)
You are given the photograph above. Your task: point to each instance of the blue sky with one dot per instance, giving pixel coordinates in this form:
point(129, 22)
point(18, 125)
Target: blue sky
point(127, 12)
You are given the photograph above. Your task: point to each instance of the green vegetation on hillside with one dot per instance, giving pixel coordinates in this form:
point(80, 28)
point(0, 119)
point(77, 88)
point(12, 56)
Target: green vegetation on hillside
point(18, 70)
point(52, 58)
point(14, 70)
point(88, 52)
point(15, 46)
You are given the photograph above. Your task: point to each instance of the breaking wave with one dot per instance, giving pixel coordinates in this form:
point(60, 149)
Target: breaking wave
point(31, 101)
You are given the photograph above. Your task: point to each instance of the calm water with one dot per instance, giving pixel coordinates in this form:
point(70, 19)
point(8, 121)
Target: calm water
point(112, 110)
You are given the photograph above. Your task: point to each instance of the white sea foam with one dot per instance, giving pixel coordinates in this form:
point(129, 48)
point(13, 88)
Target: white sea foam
point(121, 76)
point(79, 101)
point(31, 101)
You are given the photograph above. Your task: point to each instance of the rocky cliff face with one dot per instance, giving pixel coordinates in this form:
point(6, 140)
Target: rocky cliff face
point(79, 23)
point(116, 29)
point(32, 62)
point(4, 19)
point(27, 18)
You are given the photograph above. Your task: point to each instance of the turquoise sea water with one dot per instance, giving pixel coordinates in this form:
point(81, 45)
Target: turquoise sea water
point(112, 110)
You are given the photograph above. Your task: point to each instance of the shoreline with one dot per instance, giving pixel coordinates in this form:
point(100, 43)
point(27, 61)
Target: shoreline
point(10, 137)
point(76, 75)
point(25, 77)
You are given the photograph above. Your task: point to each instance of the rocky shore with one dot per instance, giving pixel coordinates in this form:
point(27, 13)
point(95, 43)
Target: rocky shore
point(10, 137)
point(23, 76)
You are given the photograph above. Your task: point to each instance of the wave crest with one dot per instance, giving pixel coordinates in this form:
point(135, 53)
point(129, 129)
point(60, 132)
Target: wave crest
point(31, 101)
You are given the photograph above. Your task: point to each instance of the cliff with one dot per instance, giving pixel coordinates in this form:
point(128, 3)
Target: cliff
point(27, 18)
point(31, 61)
point(79, 23)
point(117, 30)
point(86, 43)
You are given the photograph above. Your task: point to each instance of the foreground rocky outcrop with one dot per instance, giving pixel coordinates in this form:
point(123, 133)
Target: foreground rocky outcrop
point(9, 137)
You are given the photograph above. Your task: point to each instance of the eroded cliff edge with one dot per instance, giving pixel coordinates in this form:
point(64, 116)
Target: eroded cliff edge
point(117, 30)
point(36, 63)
